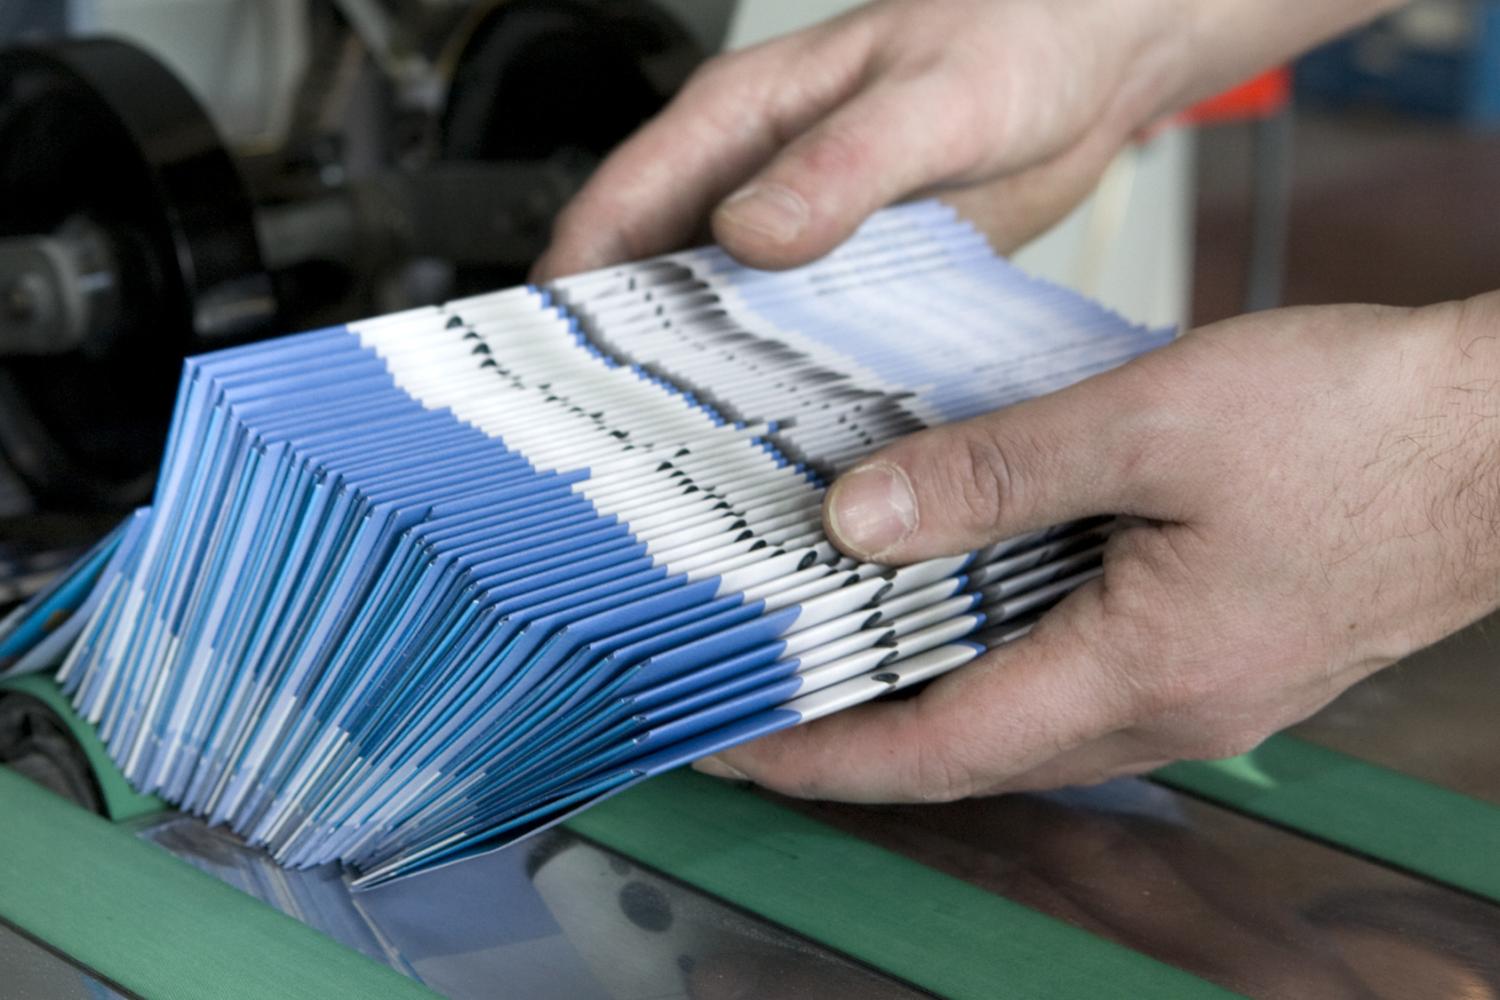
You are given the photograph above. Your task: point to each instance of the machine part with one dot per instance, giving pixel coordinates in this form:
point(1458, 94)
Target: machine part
point(59, 292)
point(470, 213)
point(38, 315)
point(544, 80)
point(374, 216)
point(27, 564)
point(39, 725)
point(130, 243)
point(521, 66)
point(386, 38)
point(32, 970)
point(844, 893)
point(36, 743)
point(245, 60)
point(490, 214)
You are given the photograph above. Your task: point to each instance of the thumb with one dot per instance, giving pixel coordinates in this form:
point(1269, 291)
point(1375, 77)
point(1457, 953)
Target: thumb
point(1092, 448)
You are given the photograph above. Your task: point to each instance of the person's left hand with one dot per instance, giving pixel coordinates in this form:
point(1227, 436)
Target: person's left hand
point(1310, 495)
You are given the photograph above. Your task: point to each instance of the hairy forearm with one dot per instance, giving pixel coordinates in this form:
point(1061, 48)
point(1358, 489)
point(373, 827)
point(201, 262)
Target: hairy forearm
point(1430, 505)
point(1472, 399)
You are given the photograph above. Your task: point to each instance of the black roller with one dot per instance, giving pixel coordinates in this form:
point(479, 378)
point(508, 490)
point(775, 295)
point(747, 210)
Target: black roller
point(35, 742)
point(559, 82)
point(536, 77)
point(98, 138)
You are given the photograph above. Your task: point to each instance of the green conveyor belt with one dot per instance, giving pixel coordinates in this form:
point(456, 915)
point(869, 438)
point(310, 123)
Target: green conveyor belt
point(136, 916)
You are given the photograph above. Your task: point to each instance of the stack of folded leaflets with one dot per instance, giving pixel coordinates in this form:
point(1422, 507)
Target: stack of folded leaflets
point(419, 586)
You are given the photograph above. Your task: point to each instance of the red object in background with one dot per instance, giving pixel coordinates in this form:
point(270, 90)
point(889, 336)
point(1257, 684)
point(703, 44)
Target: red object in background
point(1258, 97)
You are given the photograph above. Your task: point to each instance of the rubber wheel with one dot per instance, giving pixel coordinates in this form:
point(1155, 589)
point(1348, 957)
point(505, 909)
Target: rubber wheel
point(100, 131)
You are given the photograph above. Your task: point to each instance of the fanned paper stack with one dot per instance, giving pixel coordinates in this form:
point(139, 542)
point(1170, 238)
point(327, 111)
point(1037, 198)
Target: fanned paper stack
point(420, 586)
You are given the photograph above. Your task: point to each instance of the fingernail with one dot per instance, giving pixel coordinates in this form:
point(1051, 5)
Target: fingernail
point(714, 767)
point(771, 210)
point(872, 509)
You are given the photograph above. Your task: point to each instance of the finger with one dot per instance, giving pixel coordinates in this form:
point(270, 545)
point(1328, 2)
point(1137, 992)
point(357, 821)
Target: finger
point(1115, 755)
point(1006, 713)
point(1016, 208)
point(896, 137)
point(656, 189)
point(1098, 447)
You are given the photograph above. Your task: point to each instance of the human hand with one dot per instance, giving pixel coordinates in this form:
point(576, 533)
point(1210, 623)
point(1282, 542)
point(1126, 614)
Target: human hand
point(1011, 109)
point(1310, 495)
point(814, 131)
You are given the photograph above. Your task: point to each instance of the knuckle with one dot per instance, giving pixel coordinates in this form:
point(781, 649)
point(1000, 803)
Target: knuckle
point(793, 784)
point(961, 146)
point(938, 777)
point(718, 73)
point(978, 476)
point(938, 770)
point(1166, 680)
point(1219, 740)
point(1175, 691)
point(782, 762)
point(963, 151)
point(1157, 659)
point(838, 149)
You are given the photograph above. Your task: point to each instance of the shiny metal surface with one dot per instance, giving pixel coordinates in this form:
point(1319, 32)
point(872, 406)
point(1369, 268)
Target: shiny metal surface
point(555, 916)
point(1246, 905)
point(1432, 716)
point(30, 972)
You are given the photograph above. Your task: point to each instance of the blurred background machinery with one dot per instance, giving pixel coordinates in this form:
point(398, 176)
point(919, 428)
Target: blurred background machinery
point(183, 176)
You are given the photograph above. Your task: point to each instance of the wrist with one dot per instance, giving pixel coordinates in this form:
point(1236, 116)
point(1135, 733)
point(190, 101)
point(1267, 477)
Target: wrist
point(1218, 45)
point(1466, 404)
point(1151, 62)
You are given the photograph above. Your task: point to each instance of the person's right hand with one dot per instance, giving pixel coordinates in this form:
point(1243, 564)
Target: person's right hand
point(796, 141)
